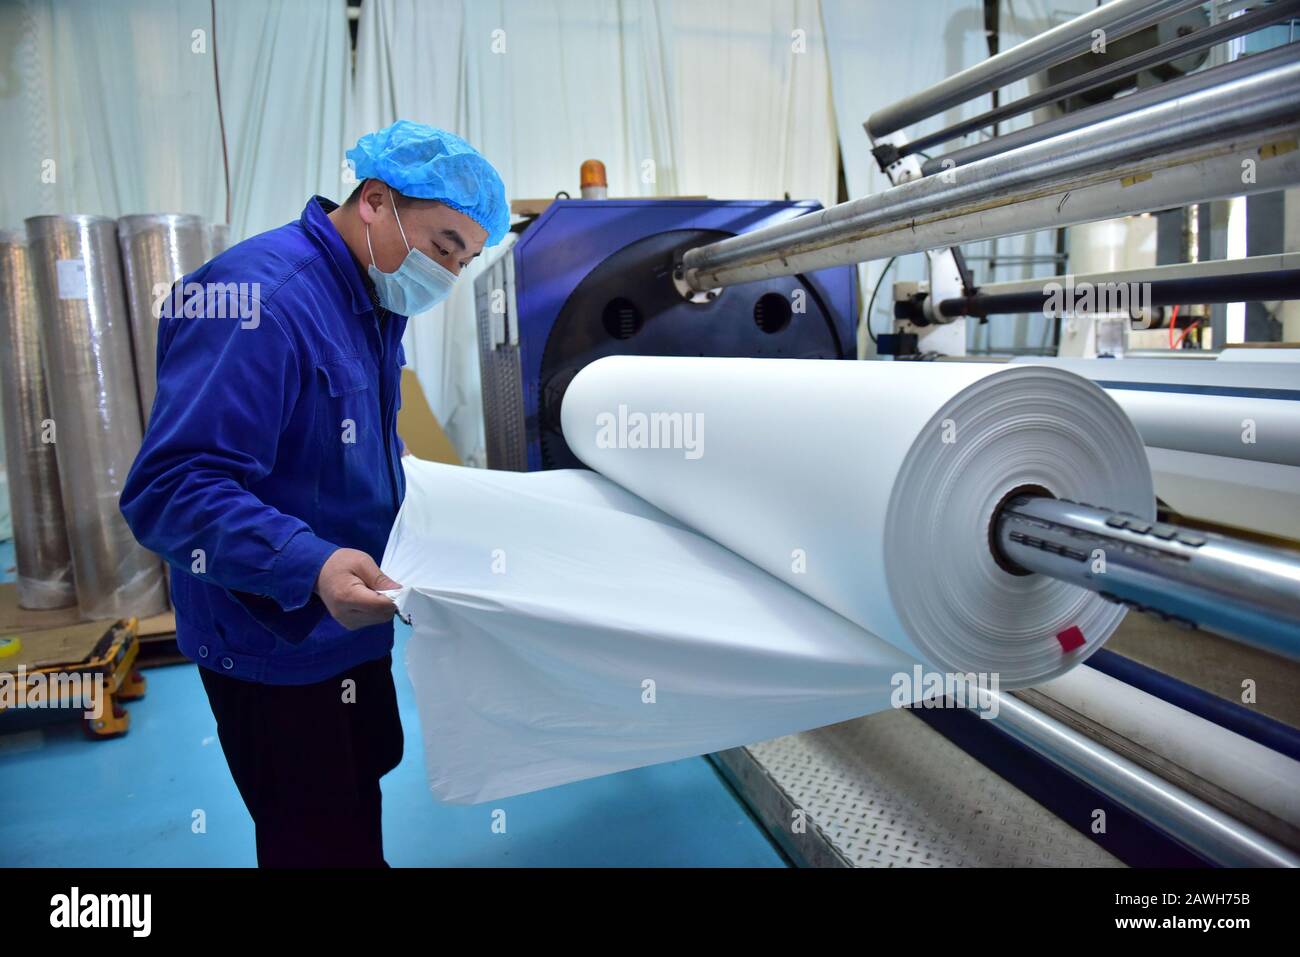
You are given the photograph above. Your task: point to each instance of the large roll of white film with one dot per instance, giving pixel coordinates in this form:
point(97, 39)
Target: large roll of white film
point(769, 546)
point(872, 487)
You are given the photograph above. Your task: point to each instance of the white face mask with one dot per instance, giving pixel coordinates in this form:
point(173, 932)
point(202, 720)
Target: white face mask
point(419, 283)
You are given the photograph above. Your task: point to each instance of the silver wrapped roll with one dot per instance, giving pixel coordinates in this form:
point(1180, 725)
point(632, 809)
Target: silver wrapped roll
point(218, 238)
point(86, 348)
point(157, 249)
point(41, 554)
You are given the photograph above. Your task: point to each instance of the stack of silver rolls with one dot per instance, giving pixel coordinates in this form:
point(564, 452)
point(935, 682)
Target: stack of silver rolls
point(44, 565)
point(157, 250)
point(219, 238)
point(86, 344)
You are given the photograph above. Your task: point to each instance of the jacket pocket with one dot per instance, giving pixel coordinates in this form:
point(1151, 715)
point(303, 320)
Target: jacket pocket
point(354, 494)
point(348, 408)
point(344, 375)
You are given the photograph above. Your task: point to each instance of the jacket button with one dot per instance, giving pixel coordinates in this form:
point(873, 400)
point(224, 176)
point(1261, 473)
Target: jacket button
point(203, 651)
point(227, 663)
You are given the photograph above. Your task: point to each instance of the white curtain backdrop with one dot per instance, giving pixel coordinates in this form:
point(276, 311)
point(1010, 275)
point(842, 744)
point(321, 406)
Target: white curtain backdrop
point(541, 85)
point(109, 107)
point(115, 103)
point(752, 87)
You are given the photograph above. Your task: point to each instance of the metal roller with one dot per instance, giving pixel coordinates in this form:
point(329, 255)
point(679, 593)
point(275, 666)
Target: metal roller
point(1205, 829)
point(40, 537)
point(86, 344)
point(157, 250)
point(1114, 20)
point(1187, 149)
point(1190, 577)
point(1108, 109)
point(1250, 287)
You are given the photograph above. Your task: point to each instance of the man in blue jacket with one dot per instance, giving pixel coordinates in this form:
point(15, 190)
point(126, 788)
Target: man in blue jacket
point(270, 477)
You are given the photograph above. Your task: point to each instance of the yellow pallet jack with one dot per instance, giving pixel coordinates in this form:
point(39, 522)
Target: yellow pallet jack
point(88, 669)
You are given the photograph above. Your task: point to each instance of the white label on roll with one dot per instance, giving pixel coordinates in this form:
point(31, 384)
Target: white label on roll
point(71, 278)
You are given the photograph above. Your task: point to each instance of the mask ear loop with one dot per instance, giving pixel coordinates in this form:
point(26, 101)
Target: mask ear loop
point(396, 217)
point(399, 227)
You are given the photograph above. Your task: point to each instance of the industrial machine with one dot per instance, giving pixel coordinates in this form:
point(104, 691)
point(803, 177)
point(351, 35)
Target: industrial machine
point(1226, 131)
point(1112, 92)
point(1119, 157)
point(1126, 768)
point(591, 278)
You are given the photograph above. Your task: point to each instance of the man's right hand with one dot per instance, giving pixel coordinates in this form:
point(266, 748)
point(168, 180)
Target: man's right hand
point(349, 584)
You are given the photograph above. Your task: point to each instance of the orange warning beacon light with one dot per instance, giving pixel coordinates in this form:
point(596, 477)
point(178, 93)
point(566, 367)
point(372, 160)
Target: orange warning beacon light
point(592, 180)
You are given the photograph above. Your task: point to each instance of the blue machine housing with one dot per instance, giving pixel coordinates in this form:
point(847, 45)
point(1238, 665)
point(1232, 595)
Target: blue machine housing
point(592, 278)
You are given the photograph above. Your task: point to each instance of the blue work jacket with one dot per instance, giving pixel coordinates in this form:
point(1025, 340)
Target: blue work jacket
point(271, 443)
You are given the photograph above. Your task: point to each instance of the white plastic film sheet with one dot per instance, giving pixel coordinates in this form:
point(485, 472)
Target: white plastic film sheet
point(764, 547)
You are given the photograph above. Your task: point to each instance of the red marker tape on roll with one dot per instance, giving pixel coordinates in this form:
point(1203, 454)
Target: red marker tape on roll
point(1070, 639)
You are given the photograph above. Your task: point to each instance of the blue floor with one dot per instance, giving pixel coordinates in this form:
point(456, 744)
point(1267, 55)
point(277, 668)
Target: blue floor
point(69, 801)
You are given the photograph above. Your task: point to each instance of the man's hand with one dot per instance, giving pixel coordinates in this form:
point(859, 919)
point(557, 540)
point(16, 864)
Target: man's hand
point(349, 585)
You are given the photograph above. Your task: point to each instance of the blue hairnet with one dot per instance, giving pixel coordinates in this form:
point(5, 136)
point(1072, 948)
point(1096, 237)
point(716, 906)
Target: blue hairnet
point(426, 163)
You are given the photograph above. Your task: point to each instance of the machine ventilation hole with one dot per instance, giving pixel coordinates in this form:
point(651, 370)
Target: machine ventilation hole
point(622, 319)
point(772, 312)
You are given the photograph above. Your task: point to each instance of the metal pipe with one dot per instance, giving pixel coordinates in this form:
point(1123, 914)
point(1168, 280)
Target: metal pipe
point(1220, 268)
point(1240, 719)
point(1164, 53)
point(1192, 578)
point(1020, 260)
point(1117, 19)
point(1182, 747)
point(1206, 830)
point(1168, 154)
point(1248, 287)
point(1204, 79)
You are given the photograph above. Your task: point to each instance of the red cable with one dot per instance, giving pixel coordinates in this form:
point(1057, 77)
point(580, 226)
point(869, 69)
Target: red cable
point(1173, 321)
point(1179, 344)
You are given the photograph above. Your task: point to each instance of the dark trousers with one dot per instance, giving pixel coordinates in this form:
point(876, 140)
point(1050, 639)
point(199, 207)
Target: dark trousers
point(307, 760)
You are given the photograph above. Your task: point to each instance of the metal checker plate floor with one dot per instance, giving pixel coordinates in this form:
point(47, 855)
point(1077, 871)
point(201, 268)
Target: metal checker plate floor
point(888, 791)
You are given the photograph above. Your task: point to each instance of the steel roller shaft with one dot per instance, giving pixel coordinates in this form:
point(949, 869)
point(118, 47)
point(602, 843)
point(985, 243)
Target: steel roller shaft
point(1195, 578)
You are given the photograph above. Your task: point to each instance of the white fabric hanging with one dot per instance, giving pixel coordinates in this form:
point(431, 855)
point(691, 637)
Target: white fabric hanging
point(537, 87)
point(115, 109)
point(818, 531)
point(541, 85)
